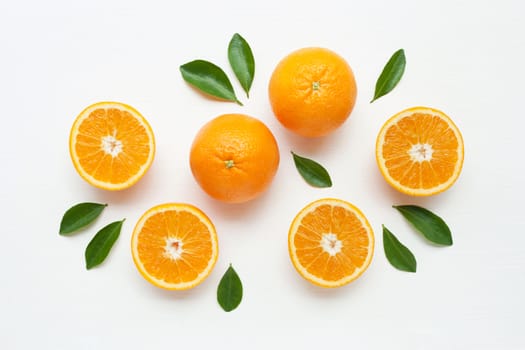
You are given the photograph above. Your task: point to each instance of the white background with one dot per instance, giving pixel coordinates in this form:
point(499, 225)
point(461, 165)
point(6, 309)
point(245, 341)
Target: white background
point(463, 57)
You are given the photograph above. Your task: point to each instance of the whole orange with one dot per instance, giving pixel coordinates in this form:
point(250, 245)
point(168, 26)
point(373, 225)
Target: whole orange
point(312, 91)
point(234, 158)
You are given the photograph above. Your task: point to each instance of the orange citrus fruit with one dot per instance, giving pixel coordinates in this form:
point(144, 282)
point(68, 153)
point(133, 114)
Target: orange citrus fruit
point(174, 246)
point(330, 242)
point(419, 151)
point(312, 91)
point(234, 158)
point(111, 145)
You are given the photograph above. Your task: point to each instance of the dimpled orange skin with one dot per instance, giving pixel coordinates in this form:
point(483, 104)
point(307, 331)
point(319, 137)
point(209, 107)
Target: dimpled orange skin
point(234, 158)
point(312, 91)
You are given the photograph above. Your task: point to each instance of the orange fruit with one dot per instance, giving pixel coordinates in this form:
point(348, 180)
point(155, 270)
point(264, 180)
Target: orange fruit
point(312, 91)
point(234, 158)
point(330, 242)
point(174, 246)
point(419, 151)
point(111, 145)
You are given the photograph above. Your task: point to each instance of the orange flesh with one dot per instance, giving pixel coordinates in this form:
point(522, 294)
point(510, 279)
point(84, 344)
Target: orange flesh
point(191, 235)
point(348, 229)
point(124, 128)
point(420, 129)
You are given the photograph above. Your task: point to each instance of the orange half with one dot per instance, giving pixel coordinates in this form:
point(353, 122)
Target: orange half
point(174, 246)
point(111, 145)
point(420, 151)
point(330, 242)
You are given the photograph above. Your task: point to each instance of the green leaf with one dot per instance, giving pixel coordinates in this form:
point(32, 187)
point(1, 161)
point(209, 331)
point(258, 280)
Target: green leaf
point(313, 173)
point(391, 74)
point(241, 59)
point(428, 223)
point(229, 292)
point(99, 247)
point(397, 254)
point(209, 78)
point(79, 216)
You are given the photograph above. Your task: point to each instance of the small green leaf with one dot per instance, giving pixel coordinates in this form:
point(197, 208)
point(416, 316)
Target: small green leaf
point(99, 247)
point(79, 216)
point(313, 173)
point(397, 254)
point(241, 59)
point(428, 223)
point(209, 78)
point(391, 74)
point(229, 292)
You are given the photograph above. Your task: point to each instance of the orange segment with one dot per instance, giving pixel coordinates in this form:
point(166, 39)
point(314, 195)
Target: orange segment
point(330, 242)
point(174, 246)
point(111, 145)
point(419, 151)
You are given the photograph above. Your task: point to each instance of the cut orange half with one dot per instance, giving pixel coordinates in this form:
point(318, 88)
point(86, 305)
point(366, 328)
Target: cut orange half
point(330, 242)
point(111, 145)
point(419, 151)
point(174, 246)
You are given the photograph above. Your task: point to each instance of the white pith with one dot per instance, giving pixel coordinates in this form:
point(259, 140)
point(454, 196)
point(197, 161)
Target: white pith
point(173, 248)
point(111, 145)
point(421, 152)
point(331, 244)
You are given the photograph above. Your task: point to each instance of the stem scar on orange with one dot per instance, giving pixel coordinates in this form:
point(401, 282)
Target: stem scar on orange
point(312, 91)
point(420, 151)
point(331, 243)
point(174, 246)
point(234, 158)
point(111, 145)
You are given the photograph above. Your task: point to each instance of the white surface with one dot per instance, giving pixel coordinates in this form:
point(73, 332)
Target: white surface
point(464, 57)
